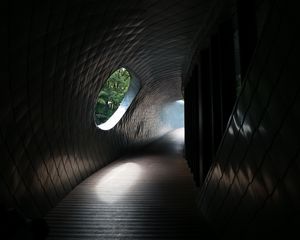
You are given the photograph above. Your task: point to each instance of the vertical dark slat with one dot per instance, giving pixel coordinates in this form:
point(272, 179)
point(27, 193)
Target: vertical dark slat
point(192, 112)
point(247, 30)
point(216, 90)
point(229, 85)
point(187, 122)
point(207, 115)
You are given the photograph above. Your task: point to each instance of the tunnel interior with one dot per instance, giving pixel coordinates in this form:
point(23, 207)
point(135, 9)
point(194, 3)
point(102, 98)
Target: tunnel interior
point(206, 141)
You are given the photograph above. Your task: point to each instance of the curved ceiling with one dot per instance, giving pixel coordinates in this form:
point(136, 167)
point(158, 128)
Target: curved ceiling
point(59, 55)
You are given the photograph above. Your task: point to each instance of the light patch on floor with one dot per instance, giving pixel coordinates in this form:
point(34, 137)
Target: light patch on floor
point(117, 182)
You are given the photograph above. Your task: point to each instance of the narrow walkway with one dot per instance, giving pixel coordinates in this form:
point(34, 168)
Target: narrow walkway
point(149, 197)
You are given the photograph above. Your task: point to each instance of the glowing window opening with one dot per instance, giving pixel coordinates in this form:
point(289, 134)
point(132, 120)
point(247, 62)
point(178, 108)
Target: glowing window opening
point(129, 96)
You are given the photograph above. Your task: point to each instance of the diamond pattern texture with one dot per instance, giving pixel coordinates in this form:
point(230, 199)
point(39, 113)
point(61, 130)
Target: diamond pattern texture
point(59, 54)
point(253, 186)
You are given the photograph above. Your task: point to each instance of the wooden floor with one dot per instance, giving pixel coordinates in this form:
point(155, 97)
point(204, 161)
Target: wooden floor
point(149, 197)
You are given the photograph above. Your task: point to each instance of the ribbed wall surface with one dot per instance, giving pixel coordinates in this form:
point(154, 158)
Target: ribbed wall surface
point(58, 55)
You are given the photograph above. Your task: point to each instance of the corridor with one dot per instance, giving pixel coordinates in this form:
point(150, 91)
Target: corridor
point(141, 197)
point(99, 100)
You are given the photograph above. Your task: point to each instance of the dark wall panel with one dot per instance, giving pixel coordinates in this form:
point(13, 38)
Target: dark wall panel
point(253, 185)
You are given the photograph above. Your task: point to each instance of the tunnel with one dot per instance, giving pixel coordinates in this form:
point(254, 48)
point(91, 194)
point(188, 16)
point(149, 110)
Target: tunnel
point(206, 141)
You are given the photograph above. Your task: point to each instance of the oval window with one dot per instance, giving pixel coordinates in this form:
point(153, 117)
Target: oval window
point(114, 98)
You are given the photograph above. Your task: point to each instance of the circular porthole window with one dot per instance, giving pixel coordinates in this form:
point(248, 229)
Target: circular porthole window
point(114, 98)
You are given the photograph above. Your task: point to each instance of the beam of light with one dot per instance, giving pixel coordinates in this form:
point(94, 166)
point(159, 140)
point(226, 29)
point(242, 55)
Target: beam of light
point(172, 116)
point(117, 182)
point(177, 135)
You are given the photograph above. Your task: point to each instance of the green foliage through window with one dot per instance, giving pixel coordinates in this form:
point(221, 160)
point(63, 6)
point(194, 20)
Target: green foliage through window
point(111, 95)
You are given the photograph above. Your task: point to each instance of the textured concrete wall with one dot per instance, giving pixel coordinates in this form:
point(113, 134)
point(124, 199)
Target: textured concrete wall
point(58, 55)
point(253, 186)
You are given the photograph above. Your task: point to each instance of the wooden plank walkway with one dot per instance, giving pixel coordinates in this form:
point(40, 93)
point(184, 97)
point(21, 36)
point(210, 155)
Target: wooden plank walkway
point(146, 197)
